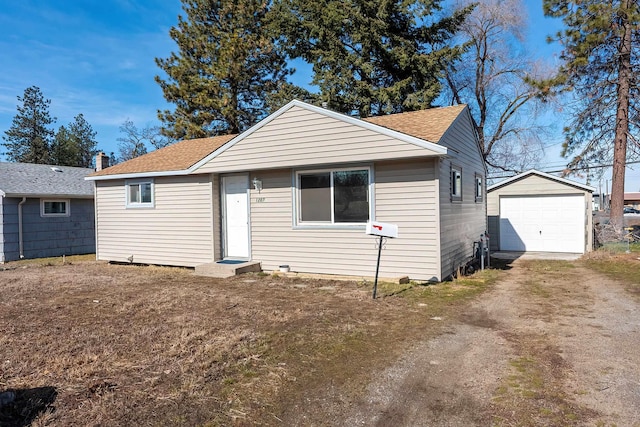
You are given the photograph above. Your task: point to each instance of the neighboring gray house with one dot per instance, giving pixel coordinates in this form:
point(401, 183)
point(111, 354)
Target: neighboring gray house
point(45, 211)
point(298, 189)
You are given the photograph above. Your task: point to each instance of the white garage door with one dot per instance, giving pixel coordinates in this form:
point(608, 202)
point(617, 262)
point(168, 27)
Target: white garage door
point(542, 223)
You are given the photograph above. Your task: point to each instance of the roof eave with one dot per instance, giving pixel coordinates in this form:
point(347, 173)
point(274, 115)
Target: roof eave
point(138, 175)
point(49, 195)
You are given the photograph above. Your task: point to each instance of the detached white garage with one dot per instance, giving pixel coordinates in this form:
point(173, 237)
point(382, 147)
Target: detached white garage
point(539, 212)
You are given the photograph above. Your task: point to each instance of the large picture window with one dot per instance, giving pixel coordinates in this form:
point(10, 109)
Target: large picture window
point(339, 196)
point(54, 207)
point(139, 194)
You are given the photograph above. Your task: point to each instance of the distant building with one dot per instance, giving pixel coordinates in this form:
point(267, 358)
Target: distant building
point(45, 211)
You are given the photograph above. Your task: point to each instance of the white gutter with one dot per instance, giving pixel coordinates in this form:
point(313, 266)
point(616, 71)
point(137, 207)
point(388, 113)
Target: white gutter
point(24, 199)
point(137, 175)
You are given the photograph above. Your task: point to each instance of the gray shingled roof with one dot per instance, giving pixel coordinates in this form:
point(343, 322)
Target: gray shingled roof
point(31, 180)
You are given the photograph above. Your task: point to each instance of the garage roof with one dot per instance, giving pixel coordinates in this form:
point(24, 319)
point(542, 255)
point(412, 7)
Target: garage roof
point(544, 175)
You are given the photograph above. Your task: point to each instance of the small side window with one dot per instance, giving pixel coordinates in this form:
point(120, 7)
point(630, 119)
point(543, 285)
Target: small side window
point(51, 207)
point(479, 188)
point(140, 194)
point(456, 184)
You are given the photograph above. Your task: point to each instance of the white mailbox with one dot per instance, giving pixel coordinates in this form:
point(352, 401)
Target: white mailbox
point(382, 229)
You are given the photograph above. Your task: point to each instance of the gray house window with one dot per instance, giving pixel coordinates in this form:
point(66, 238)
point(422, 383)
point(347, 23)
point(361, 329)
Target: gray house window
point(456, 184)
point(54, 207)
point(338, 196)
point(140, 194)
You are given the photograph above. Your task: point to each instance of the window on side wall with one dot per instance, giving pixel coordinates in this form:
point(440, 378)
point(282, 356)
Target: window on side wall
point(54, 207)
point(333, 196)
point(139, 194)
point(456, 184)
point(479, 188)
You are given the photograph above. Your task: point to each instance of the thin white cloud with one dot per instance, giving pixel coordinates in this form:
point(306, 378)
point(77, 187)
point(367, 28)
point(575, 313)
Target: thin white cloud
point(102, 68)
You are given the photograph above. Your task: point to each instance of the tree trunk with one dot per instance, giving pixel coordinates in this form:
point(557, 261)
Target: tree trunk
point(622, 120)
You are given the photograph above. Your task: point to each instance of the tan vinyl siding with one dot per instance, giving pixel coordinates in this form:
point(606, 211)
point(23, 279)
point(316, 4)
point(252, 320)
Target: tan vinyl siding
point(533, 185)
point(302, 137)
point(461, 222)
point(177, 231)
point(404, 195)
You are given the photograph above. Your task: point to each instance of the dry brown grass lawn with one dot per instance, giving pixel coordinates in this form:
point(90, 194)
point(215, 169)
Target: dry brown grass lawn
point(89, 343)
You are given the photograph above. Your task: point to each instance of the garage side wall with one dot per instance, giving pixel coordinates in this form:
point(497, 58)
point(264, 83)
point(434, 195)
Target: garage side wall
point(533, 185)
point(178, 230)
point(405, 193)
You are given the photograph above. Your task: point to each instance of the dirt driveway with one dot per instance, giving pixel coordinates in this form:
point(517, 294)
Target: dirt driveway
point(552, 344)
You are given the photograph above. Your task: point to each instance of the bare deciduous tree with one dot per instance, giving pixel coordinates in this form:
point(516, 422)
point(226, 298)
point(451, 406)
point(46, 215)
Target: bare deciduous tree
point(135, 142)
point(493, 77)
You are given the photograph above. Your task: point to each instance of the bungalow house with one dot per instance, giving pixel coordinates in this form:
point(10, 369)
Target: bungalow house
point(298, 189)
point(45, 211)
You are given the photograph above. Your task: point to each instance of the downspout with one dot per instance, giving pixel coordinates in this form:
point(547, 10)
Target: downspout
point(24, 199)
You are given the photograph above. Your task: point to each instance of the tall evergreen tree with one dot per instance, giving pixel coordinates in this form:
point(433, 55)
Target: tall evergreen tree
point(85, 136)
point(63, 150)
point(75, 145)
point(226, 66)
point(373, 57)
point(29, 137)
point(601, 65)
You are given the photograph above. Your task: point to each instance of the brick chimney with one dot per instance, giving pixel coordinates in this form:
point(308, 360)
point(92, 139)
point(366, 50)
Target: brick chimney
point(102, 161)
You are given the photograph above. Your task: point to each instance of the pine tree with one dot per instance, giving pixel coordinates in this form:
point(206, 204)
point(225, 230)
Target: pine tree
point(29, 137)
point(63, 150)
point(75, 145)
point(226, 66)
point(373, 57)
point(85, 138)
point(601, 52)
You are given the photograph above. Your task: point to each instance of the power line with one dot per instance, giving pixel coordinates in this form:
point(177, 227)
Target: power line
point(562, 170)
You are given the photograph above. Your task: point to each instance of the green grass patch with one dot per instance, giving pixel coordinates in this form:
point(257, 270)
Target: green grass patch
point(621, 267)
point(537, 289)
point(450, 292)
point(550, 266)
point(51, 261)
point(620, 247)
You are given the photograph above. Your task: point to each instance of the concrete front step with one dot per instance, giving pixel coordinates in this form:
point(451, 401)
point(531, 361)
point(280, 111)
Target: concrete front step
point(222, 269)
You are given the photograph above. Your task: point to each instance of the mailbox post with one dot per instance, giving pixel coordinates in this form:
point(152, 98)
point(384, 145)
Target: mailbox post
point(381, 230)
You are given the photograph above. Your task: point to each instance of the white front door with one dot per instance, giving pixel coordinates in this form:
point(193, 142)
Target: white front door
point(235, 198)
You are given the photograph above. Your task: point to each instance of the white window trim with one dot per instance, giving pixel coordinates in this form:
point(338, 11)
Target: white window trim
point(67, 204)
point(297, 223)
point(455, 197)
point(134, 205)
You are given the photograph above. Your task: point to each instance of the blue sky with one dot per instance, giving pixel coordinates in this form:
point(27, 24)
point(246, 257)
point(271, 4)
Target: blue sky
point(97, 58)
